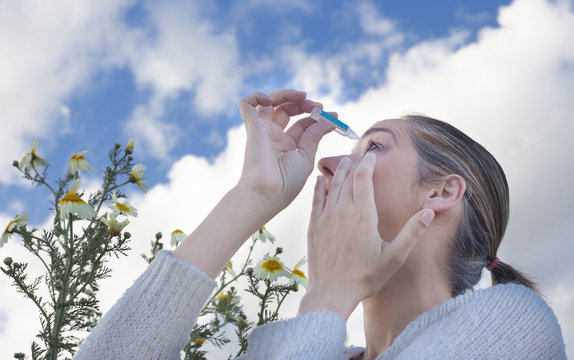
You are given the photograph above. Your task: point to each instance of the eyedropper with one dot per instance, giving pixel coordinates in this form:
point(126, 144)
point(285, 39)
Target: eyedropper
point(318, 114)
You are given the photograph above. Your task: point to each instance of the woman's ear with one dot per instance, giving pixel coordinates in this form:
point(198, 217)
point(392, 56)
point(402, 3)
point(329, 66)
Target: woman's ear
point(446, 194)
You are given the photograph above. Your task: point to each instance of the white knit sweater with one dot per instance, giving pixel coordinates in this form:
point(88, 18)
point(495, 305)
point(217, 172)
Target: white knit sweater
point(153, 318)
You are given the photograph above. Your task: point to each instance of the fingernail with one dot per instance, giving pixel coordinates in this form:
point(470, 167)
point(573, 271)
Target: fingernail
point(370, 155)
point(427, 217)
point(319, 178)
point(345, 160)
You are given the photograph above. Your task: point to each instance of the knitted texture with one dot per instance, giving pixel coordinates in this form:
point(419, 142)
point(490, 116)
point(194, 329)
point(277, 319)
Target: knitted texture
point(289, 339)
point(502, 322)
point(153, 318)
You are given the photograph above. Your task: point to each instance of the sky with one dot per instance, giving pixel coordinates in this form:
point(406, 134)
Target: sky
point(83, 75)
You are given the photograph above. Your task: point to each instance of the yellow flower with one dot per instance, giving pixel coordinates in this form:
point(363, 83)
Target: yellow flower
point(298, 276)
point(129, 147)
point(222, 297)
point(270, 267)
point(19, 221)
point(229, 269)
point(197, 342)
point(72, 203)
point(115, 227)
point(177, 236)
point(79, 163)
point(136, 176)
point(263, 235)
point(122, 208)
point(31, 160)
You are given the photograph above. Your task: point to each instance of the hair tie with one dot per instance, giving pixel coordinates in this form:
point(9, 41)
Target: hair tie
point(493, 264)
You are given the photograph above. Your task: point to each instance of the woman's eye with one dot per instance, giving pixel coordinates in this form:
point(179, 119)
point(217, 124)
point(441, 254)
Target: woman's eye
point(372, 146)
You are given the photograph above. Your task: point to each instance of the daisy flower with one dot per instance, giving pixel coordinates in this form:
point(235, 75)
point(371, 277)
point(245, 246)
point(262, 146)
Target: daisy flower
point(31, 160)
point(229, 269)
point(72, 203)
point(79, 163)
point(197, 342)
point(263, 235)
point(19, 221)
point(136, 176)
point(113, 224)
point(297, 276)
point(122, 208)
point(177, 236)
point(129, 147)
point(270, 267)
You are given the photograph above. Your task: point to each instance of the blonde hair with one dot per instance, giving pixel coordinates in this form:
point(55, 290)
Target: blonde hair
point(444, 150)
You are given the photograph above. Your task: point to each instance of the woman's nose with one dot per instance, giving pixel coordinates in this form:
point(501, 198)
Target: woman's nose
point(329, 165)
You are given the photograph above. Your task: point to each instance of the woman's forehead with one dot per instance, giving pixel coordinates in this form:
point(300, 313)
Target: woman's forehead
point(395, 127)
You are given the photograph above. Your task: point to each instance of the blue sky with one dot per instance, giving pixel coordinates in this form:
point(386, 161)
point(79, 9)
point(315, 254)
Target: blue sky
point(81, 75)
point(104, 98)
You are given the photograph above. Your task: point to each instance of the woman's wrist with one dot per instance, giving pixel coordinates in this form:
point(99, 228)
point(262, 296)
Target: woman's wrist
point(340, 304)
point(234, 219)
point(264, 204)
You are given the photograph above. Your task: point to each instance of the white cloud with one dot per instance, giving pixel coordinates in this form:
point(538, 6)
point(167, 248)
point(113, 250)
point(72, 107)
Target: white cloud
point(511, 90)
point(372, 22)
point(49, 50)
point(177, 52)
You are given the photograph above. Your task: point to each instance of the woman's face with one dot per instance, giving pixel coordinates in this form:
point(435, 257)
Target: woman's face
point(398, 194)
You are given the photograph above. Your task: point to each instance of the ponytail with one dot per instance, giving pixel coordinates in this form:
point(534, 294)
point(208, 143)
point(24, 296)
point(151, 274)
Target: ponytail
point(504, 274)
point(444, 150)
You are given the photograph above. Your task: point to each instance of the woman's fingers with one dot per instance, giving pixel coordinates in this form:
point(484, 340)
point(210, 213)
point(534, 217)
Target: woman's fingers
point(297, 130)
point(398, 250)
point(319, 198)
point(363, 191)
point(260, 104)
point(287, 95)
point(248, 105)
point(337, 183)
point(285, 111)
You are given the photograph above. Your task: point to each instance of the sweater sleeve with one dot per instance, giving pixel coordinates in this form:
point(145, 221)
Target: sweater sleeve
point(153, 318)
point(313, 336)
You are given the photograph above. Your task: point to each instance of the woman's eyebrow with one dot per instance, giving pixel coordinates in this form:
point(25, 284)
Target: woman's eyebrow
point(381, 128)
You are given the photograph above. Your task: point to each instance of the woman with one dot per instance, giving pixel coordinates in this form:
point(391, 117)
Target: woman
point(405, 225)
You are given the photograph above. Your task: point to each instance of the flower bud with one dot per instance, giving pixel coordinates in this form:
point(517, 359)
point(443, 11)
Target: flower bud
point(130, 158)
point(249, 271)
point(279, 250)
point(15, 163)
point(129, 147)
point(127, 235)
point(19, 356)
point(8, 261)
point(158, 236)
point(117, 146)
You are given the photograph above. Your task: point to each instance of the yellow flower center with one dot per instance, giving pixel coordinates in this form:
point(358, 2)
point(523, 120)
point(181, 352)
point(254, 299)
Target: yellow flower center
point(263, 228)
point(122, 207)
point(198, 341)
point(272, 265)
point(222, 297)
point(8, 229)
point(77, 157)
point(299, 273)
point(176, 232)
point(71, 198)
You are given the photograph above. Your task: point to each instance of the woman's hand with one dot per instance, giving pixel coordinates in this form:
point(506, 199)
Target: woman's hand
point(278, 162)
point(348, 259)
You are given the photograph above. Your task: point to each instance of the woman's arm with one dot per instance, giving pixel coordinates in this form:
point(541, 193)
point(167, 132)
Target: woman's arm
point(153, 318)
point(276, 166)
